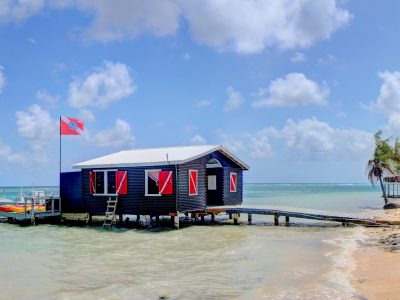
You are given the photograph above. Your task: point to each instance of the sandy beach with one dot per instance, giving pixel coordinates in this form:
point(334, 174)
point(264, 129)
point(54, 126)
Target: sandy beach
point(377, 271)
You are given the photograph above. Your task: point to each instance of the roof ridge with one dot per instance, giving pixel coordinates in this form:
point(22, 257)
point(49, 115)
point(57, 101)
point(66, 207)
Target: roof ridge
point(169, 147)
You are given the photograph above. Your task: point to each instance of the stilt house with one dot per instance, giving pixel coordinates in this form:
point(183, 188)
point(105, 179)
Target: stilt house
point(158, 181)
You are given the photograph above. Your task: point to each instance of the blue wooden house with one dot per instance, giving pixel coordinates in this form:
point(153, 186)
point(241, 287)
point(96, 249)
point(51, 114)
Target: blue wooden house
point(156, 182)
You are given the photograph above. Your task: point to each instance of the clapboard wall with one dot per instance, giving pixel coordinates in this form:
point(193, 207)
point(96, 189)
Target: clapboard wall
point(135, 202)
point(71, 193)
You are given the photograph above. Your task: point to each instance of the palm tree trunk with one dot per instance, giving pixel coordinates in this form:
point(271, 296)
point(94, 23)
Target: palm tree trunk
point(383, 190)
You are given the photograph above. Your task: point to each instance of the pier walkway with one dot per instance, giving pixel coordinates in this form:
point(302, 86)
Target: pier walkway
point(51, 208)
point(234, 213)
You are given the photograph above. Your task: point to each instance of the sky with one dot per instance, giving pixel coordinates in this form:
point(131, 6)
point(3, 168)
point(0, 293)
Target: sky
point(295, 88)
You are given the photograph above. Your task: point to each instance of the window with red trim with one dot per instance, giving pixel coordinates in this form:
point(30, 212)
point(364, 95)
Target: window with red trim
point(108, 182)
point(158, 182)
point(233, 182)
point(193, 180)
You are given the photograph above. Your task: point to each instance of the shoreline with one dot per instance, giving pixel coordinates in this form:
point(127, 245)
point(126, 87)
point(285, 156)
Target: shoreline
point(376, 273)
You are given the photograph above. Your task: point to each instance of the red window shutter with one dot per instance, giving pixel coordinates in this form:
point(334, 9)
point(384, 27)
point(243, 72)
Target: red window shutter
point(165, 186)
point(192, 182)
point(92, 182)
point(121, 182)
point(233, 182)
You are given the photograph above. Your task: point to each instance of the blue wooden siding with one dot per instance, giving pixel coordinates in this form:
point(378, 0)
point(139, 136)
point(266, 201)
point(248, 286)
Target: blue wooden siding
point(194, 202)
point(71, 193)
point(135, 202)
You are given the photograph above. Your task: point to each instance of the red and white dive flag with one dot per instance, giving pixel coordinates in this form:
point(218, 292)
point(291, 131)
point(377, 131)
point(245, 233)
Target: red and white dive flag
point(71, 126)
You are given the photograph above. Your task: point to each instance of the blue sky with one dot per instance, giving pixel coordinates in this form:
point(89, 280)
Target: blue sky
point(294, 88)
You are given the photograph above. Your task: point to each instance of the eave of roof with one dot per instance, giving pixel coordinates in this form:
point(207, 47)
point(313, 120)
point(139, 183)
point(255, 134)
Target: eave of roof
point(88, 165)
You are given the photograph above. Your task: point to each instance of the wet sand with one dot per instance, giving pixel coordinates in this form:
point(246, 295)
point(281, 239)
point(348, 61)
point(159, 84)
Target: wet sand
point(377, 271)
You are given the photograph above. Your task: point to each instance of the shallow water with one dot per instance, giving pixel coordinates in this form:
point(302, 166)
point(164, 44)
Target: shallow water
point(197, 262)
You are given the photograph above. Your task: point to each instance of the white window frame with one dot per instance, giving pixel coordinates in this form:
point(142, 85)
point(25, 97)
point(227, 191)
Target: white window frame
point(146, 181)
point(105, 181)
point(197, 182)
point(230, 180)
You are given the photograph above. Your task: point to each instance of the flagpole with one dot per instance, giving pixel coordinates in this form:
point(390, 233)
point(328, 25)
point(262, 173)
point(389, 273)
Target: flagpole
point(59, 181)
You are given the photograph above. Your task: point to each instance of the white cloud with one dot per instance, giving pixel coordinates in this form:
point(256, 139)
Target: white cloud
point(38, 127)
point(187, 56)
point(315, 138)
point(198, 140)
point(6, 154)
point(204, 103)
point(45, 97)
point(389, 96)
point(293, 90)
point(105, 85)
point(116, 20)
point(252, 26)
point(235, 99)
point(260, 147)
point(225, 25)
point(3, 80)
point(329, 59)
point(87, 115)
point(388, 101)
point(12, 11)
point(309, 135)
point(118, 136)
point(231, 143)
point(298, 57)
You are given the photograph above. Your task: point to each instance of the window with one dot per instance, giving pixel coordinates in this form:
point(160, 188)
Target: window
point(193, 182)
point(233, 182)
point(212, 182)
point(158, 182)
point(108, 182)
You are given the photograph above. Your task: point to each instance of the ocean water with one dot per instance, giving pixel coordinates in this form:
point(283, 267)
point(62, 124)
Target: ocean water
point(261, 261)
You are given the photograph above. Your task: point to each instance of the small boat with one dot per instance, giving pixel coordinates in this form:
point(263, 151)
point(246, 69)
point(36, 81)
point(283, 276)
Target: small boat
point(20, 208)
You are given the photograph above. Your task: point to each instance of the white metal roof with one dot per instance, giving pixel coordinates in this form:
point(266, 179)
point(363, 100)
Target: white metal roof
point(156, 156)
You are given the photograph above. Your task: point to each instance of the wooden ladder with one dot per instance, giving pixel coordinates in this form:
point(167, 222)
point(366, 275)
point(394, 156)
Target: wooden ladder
point(110, 218)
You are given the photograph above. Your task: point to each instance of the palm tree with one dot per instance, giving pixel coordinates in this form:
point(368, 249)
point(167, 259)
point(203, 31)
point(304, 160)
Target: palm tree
point(383, 161)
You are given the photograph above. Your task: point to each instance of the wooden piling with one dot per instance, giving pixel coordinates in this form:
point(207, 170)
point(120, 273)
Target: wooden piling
point(213, 217)
point(249, 218)
point(157, 220)
point(287, 220)
point(230, 216)
point(202, 218)
point(276, 219)
point(176, 222)
point(236, 219)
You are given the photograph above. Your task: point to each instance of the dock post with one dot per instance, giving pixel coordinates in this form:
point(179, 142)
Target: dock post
point(276, 220)
point(33, 213)
point(249, 218)
point(287, 220)
point(230, 216)
point(236, 219)
point(176, 221)
point(213, 217)
point(157, 220)
point(89, 220)
point(202, 218)
point(137, 218)
point(121, 218)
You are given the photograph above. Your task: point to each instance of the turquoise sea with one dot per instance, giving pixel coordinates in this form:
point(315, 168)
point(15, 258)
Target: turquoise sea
point(261, 261)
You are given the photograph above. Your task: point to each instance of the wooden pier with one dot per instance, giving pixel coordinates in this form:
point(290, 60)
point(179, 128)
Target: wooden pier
point(235, 212)
point(52, 209)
